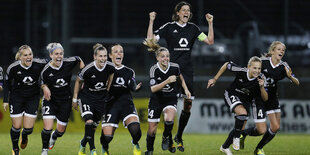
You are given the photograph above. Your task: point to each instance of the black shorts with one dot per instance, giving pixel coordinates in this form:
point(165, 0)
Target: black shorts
point(258, 111)
point(27, 106)
point(232, 101)
point(59, 110)
point(189, 80)
point(91, 107)
point(272, 105)
point(122, 108)
point(156, 107)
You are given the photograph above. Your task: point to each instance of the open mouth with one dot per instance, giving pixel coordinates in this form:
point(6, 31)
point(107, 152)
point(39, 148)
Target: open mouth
point(28, 60)
point(185, 17)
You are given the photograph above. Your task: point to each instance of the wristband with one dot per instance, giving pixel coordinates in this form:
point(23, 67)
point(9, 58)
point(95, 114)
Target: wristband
point(74, 100)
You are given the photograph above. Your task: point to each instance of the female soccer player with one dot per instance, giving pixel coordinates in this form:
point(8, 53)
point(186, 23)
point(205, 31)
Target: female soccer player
point(56, 79)
point(122, 106)
point(180, 36)
point(22, 94)
point(274, 70)
point(163, 77)
point(248, 84)
point(96, 78)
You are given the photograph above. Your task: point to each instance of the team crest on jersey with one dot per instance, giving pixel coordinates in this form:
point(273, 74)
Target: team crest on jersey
point(60, 83)
point(152, 82)
point(183, 42)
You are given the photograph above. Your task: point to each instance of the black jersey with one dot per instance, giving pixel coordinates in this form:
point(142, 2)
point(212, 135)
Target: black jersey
point(95, 79)
point(242, 86)
point(273, 74)
point(157, 75)
point(180, 40)
point(58, 79)
point(23, 81)
point(1, 77)
point(123, 76)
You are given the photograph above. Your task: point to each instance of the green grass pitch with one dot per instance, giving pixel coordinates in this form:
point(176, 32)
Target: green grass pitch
point(195, 144)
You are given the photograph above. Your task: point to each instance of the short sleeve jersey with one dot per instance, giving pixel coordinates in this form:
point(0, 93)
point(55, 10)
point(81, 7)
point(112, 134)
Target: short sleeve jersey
point(58, 79)
point(157, 76)
point(95, 79)
point(273, 74)
point(24, 81)
point(121, 80)
point(243, 86)
point(180, 40)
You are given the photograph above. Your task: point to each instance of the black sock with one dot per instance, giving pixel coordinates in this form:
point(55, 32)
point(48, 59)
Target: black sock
point(135, 131)
point(182, 123)
point(268, 136)
point(57, 134)
point(229, 139)
point(168, 128)
point(150, 142)
point(105, 140)
point(15, 137)
point(89, 136)
point(45, 135)
point(251, 132)
point(26, 132)
point(239, 121)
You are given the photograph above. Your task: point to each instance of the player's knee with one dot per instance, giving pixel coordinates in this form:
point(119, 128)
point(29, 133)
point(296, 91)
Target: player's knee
point(27, 131)
point(261, 131)
point(275, 128)
point(88, 117)
point(108, 138)
point(89, 122)
point(58, 133)
point(187, 105)
point(242, 117)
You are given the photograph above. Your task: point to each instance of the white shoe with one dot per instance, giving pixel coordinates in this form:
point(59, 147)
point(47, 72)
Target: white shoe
point(44, 152)
point(52, 141)
point(236, 144)
point(226, 151)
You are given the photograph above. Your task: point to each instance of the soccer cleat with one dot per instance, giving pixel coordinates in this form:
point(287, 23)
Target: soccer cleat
point(52, 141)
point(226, 151)
point(179, 143)
point(23, 143)
point(242, 139)
point(136, 149)
point(44, 152)
point(172, 148)
point(93, 152)
point(149, 153)
point(165, 143)
point(259, 152)
point(15, 152)
point(104, 152)
point(82, 150)
point(236, 143)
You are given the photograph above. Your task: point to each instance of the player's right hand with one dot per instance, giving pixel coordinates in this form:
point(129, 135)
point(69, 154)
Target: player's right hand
point(211, 83)
point(5, 106)
point(46, 92)
point(75, 106)
point(172, 78)
point(152, 16)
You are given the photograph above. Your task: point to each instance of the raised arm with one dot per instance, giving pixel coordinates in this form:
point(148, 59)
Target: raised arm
point(150, 34)
point(212, 81)
point(210, 38)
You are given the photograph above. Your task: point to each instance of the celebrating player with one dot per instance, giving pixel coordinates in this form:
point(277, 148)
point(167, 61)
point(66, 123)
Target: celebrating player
point(122, 106)
point(180, 36)
point(22, 94)
point(248, 84)
point(56, 79)
point(163, 78)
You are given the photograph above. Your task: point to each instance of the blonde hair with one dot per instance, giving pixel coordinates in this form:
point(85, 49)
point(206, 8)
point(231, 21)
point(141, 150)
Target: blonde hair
point(177, 8)
point(154, 46)
point(98, 47)
point(254, 59)
point(272, 47)
point(20, 49)
point(51, 47)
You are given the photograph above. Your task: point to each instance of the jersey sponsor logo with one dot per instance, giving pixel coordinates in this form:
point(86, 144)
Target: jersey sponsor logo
point(183, 42)
point(28, 81)
point(120, 82)
point(99, 85)
point(19, 72)
point(167, 88)
point(269, 82)
point(60, 83)
point(175, 31)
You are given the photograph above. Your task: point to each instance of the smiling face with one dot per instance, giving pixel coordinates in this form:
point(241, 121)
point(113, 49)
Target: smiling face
point(117, 55)
point(26, 57)
point(57, 56)
point(255, 69)
point(278, 52)
point(184, 14)
point(101, 58)
point(163, 58)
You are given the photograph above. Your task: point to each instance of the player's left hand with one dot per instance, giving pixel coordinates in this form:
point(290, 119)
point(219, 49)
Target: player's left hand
point(209, 18)
point(188, 94)
point(138, 87)
point(288, 72)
